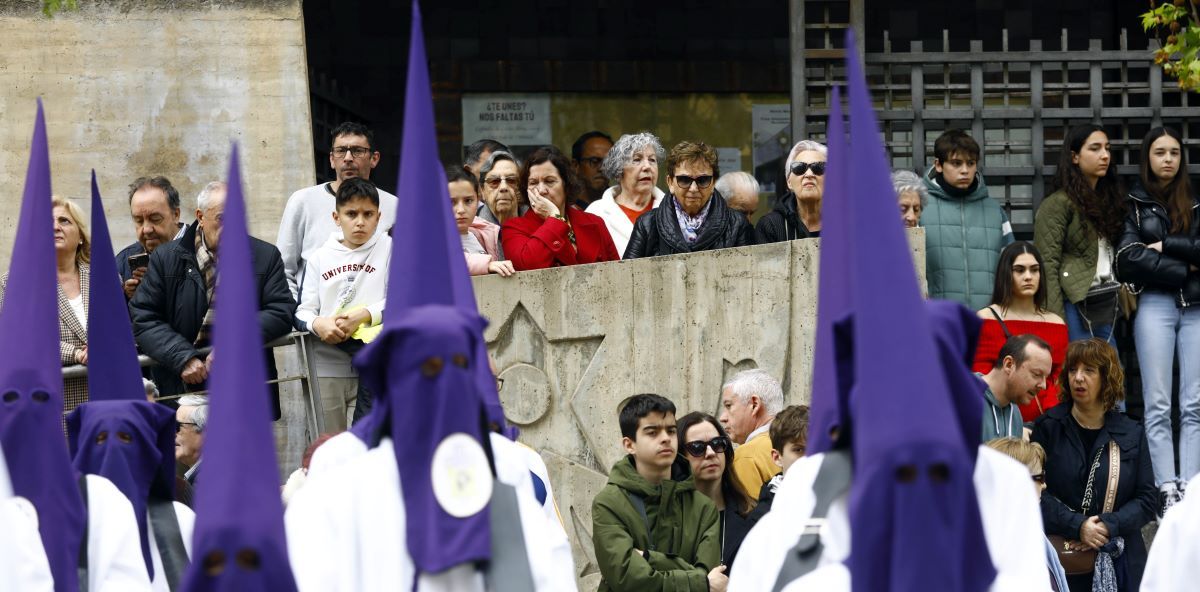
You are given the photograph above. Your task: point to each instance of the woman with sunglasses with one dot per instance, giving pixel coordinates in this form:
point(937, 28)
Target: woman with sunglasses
point(551, 234)
point(709, 451)
point(1079, 436)
point(689, 220)
point(797, 212)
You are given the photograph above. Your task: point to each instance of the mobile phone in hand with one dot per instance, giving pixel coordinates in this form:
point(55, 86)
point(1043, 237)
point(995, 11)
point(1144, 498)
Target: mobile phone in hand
point(138, 261)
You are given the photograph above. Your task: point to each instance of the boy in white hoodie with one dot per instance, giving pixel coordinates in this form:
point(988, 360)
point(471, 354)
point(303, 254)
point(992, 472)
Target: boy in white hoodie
point(343, 292)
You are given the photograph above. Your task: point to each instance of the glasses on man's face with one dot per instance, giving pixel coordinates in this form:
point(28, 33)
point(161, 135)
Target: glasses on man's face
point(179, 426)
point(356, 151)
point(592, 161)
point(799, 168)
point(685, 181)
point(697, 448)
point(1039, 478)
point(494, 182)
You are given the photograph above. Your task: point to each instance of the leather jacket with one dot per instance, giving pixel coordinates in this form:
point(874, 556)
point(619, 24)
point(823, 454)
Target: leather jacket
point(1170, 271)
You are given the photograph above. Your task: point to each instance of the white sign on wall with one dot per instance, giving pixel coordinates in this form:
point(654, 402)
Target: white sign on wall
point(512, 119)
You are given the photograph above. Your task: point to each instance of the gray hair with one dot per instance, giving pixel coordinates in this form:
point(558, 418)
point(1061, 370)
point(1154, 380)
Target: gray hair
point(803, 146)
point(207, 193)
point(730, 181)
point(151, 388)
point(622, 153)
point(495, 157)
point(757, 382)
point(908, 181)
point(200, 415)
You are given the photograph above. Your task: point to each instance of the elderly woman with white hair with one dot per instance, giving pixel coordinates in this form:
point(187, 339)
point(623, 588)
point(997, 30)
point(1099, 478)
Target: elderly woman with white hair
point(797, 213)
point(912, 195)
point(740, 190)
point(633, 164)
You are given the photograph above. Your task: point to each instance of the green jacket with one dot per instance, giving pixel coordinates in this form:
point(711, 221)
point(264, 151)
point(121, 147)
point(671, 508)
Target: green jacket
point(686, 532)
point(963, 240)
point(1069, 246)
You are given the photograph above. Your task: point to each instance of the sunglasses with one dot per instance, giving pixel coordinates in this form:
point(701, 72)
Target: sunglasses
point(179, 426)
point(696, 448)
point(1039, 478)
point(799, 168)
point(703, 181)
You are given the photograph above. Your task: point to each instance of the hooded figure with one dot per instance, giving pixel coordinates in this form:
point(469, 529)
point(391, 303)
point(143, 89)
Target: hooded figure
point(239, 541)
point(907, 516)
point(121, 436)
point(87, 527)
point(425, 461)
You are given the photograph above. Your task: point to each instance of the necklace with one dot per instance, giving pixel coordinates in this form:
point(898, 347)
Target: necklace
point(1082, 424)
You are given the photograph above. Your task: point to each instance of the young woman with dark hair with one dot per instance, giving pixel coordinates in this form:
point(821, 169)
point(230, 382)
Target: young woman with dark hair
point(709, 451)
point(1075, 229)
point(1159, 252)
point(1019, 307)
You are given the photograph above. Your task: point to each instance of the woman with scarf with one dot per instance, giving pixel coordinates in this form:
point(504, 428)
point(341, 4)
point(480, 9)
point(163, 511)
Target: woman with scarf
point(1099, 485)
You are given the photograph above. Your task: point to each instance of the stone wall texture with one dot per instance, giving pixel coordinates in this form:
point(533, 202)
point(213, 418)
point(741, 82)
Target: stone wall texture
point(156, 87)
point(572, 343)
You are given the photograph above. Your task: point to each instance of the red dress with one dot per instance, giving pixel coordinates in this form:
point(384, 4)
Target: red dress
point(533, 243)
point(992, 338)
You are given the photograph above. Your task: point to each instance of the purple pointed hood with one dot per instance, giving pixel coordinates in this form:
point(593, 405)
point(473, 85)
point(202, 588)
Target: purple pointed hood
point(833, 288)
point(914, 513)
point(118, 434)
point(31, 382)
point(239, 542)
point(956, 330)
point(443, 529)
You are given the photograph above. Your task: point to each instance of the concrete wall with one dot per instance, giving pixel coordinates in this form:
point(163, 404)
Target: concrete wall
point(572, 343)
point(156, 87)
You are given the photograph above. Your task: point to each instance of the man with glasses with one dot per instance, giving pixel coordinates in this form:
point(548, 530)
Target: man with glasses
point(191, 418)
point(797, 213)
point(587, 158)
point(308, 217)
point(749, 402)
point(499, 179)
point(689, 220)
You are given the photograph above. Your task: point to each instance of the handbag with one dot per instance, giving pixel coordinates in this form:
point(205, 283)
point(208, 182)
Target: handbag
point(1084, 562)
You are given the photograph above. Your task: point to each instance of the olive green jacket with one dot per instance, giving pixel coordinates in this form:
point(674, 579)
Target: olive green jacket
point(1069, 246)
point(687, 542)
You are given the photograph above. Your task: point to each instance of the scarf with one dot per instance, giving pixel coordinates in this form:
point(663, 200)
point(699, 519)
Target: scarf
point(206, 260)
point(1105, 577)
point(690, 226)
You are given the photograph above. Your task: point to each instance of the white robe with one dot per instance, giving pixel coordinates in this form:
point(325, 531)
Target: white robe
point(346, 526)
point(187, 524)
point(1012, 525)
point(1171, 566)
point(23, 564)
point(115, 562)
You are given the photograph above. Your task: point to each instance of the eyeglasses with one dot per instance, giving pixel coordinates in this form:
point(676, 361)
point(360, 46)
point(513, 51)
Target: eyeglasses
point(593, 161)
point(357, 151)
point(179, 426)
point(1039, 478)
point(799, 168)
point(696, 448)
point(494, 182)
point(684, 181)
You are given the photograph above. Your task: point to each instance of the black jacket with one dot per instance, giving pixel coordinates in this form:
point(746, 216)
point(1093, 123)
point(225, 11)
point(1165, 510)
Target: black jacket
point(782, 223)
point(169, 305)
point(1147, 223)
point(1067, 467)
point(657, 232)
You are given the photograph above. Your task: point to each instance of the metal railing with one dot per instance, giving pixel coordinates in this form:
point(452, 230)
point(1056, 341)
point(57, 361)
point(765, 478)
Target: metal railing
point(310, 388)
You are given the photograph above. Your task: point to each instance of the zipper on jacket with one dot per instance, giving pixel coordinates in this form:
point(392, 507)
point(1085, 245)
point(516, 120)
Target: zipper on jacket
point(962, 215)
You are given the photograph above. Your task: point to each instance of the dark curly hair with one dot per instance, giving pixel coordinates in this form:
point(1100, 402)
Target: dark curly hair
point(1103, 206)
point(1101, 356)
point(572, 186)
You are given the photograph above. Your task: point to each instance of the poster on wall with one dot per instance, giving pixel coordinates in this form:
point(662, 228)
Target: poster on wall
point(771, 128)
point(520, 121)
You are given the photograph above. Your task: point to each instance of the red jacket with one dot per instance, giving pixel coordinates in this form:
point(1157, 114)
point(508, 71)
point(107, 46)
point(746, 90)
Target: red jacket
point(533, 243)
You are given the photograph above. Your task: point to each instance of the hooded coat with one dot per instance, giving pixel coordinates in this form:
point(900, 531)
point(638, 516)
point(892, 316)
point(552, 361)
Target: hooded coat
point(963, 239)
point(686, 538)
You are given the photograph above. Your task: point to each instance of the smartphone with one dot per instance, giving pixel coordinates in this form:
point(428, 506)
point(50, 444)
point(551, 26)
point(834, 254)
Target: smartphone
point(139, 260)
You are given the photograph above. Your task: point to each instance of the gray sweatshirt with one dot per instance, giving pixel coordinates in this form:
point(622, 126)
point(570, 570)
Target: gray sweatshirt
point(999, 422)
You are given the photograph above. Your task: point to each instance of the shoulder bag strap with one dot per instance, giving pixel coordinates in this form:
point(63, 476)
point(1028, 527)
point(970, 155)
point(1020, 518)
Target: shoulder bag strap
point(1007, 333)
point(169, 540)
point(640, 505)
point(1091, 480)
point(833, 481)
point(83, 542)
point(1114, 476)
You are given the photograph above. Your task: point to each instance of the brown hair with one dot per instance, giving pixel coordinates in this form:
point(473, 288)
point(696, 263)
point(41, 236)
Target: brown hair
point(1002, 286)
point(954, 141)
point(84, 253)
point(727, 487)
point(1100, 355)
point(1023, 451)
point(686, 151)
point(572, 186)
point(790, 425)
point(1176, 194)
